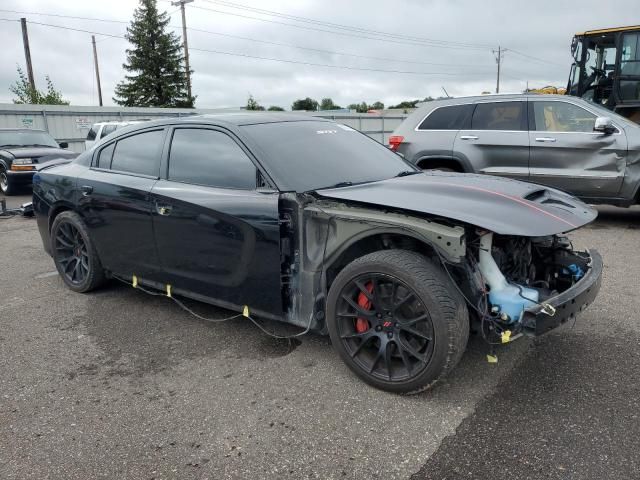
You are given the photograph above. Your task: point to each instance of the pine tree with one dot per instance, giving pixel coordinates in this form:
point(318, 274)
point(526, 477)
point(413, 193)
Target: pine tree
point(155, 65)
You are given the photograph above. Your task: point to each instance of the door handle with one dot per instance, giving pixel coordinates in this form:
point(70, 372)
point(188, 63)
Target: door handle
point(163, 209)
point(468, 137)
point(86, 190)
point(545, 139)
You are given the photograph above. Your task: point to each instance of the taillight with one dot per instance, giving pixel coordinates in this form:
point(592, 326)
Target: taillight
point(395, 141)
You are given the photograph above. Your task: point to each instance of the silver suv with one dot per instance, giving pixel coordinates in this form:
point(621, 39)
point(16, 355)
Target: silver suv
point(560, 141)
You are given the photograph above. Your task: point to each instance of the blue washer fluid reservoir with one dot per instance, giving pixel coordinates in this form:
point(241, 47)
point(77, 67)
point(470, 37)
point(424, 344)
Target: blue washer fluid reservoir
point(509, 301)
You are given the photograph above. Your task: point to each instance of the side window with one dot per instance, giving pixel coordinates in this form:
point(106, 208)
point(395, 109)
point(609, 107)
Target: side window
point(104, 157)
point(139, 153)
point(93, 132)
point(106, 130)
point(499, 116)
point(211, 158)
point(455, 117)
point(562, 117)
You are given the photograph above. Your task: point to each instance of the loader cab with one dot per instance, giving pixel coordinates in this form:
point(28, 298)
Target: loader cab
point(606, 69)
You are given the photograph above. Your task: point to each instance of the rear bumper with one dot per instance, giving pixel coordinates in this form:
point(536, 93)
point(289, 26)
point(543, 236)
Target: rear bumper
point(568, 304)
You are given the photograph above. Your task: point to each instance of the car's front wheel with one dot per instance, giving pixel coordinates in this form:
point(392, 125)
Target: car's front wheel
point(74, 254)
point(397, 321)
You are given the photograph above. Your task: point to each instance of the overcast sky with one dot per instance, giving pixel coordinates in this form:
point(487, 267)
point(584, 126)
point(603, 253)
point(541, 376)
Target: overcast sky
point(541, 29)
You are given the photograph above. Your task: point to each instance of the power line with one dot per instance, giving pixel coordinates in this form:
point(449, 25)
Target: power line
point(347, 34)
point(220, 52)
point(75, 29)
point(332, 52)
point(267, 42)
point(531, 57)
point(63, 16)
point(342, 26)
point(332, 66)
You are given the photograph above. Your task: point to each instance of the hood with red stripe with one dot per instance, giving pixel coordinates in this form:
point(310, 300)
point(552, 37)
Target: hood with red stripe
point(501, 205)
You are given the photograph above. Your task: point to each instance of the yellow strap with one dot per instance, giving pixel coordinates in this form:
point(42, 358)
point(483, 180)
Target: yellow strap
point(134, 281)
point(506, 336)
point(168, 290)
point(492, 358)
point(245, 311)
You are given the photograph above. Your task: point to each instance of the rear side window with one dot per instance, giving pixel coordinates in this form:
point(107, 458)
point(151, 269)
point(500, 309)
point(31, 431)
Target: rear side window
point(104, 157)
point(455, 117)
point(93, 132)
point(139, 153)
point(499, 116)
point(211, 158)
point(106, 130)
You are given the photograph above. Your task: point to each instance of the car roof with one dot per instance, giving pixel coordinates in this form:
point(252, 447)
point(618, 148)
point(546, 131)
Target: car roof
point(226, 120)
point(492, 98)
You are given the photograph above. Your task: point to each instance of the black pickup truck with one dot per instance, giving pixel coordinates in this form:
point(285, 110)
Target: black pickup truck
point(21, 150)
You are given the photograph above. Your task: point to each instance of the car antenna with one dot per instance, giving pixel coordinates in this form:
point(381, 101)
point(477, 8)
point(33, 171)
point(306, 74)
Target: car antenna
point(445, 92)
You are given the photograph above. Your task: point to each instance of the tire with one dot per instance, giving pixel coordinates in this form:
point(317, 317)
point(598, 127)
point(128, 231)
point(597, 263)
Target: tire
point(408, 363)
point(70, 239)
point(6, 186)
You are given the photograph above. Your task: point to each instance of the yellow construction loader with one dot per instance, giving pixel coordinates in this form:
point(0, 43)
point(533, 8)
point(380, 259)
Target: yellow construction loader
point(606, 69)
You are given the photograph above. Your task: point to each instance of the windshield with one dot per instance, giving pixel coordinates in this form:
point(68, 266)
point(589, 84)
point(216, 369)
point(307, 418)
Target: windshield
point(22, 138)
point(303, 156)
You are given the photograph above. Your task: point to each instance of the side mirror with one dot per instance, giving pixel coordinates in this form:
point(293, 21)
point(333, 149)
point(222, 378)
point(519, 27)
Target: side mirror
point(63, 145)
point(604, 125)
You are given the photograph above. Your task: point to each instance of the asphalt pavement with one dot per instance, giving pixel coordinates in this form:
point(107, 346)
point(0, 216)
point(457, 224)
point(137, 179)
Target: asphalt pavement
point(119, 384)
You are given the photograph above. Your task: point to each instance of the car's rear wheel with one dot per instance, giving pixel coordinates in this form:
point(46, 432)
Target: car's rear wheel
point(397, 321)
point(74, 254)
point(5, 186)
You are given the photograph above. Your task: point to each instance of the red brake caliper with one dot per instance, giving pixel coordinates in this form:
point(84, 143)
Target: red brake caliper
point(362, 324)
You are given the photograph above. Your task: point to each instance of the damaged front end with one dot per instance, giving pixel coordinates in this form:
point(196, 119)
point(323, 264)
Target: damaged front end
point(528, 285)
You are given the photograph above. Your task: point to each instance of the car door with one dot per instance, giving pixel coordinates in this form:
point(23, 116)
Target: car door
point(114, 200)
point(217, 235)
point(567, 154)
point(497, 142)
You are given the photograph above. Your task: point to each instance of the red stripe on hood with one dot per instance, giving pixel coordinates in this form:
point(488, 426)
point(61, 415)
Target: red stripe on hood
point(510, 197)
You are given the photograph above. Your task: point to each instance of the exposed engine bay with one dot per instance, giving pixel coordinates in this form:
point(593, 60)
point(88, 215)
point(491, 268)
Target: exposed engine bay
point(510, 275)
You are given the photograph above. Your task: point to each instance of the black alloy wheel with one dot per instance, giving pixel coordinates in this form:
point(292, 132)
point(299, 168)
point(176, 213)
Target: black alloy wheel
point(396, 320)
point(73, 252)
point(384, 327)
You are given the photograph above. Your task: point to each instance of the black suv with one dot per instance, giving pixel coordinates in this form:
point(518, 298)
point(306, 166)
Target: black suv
point(21, 150)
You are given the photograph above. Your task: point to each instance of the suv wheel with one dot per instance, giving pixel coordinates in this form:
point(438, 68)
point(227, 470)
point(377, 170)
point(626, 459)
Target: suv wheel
point(74, 254)
point(397, 321)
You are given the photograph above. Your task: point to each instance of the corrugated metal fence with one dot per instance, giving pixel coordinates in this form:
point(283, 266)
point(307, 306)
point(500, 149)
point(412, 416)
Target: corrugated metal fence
point(71, 123)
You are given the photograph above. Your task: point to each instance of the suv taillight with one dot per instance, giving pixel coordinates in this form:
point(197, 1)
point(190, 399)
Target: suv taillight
point(395, 141)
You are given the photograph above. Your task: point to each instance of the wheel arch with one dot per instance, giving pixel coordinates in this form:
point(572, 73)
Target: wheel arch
point(372, 241)
point(56, 210)
point(453, 163)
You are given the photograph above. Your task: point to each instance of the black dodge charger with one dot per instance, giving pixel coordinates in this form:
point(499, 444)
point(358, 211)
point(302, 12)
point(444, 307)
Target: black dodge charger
point(312, 223)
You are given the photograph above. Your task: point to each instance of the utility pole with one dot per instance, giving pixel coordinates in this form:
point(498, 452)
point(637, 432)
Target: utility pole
point(27, 52)
point(499, 55)
point(184, 42)
point(95, 62)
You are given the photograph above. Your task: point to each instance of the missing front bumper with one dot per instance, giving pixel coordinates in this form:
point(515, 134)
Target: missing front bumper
point(568, 304)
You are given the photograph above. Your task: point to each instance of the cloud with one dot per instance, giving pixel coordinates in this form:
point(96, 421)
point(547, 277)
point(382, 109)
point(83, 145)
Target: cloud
point(543, 29)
